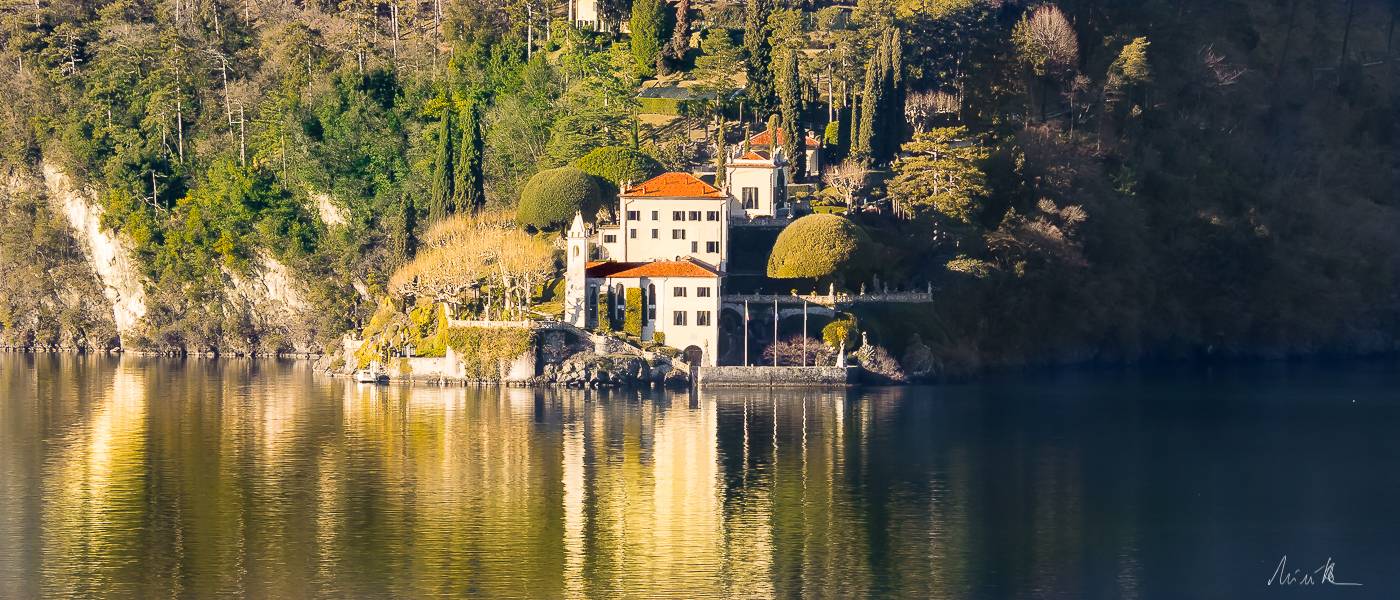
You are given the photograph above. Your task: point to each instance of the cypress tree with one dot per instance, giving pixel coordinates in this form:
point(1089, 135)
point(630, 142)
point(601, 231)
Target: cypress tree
point(790, 105)
point(759, 53)
point(440, 190)
point(720, 158)
point(897, 125)
point(680, 35)
point(468, 189)
point(852, 128)
point(648, 36)
point(863, 145)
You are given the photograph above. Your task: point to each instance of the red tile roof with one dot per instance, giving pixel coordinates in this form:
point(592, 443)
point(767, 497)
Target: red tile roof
point(673, 185)
point(763, 138)
point(753, 156)
point(686, 267)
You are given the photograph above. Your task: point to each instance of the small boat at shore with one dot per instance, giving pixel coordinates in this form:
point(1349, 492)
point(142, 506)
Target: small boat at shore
point(374, 373)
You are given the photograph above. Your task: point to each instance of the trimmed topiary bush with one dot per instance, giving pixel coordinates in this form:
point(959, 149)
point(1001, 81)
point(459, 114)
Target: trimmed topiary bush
point(617, 165)
point(551, 197)
point(605, 312)
point(819, 246)
point(632, 319)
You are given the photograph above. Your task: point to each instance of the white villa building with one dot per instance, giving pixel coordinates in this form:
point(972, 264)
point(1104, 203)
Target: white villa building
point(671, 242)
point(669, 216)
point(680, 297)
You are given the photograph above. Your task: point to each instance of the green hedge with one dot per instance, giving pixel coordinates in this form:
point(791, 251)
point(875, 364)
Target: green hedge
point(551, 197)
point(605, 313)
point(659, 106)
point(632, 324)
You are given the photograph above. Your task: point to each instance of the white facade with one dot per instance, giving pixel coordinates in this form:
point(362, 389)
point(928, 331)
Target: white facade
point(671, 228)
point(684, 309)
point(584, 13)
point(755, 184)
point(668, 217)
point(671, 242)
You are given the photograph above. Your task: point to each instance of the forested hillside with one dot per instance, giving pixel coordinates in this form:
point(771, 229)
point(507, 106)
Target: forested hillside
point(1084, 179)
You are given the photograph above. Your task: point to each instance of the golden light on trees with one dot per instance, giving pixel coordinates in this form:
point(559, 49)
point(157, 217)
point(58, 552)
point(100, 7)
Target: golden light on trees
point(1046, 41)
point(483, 252)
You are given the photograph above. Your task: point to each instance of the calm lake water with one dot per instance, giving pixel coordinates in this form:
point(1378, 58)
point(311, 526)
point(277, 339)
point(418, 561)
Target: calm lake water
point(145, 478)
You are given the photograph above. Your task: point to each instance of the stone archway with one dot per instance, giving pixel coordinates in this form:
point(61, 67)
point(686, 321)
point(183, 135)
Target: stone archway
point(694, 355)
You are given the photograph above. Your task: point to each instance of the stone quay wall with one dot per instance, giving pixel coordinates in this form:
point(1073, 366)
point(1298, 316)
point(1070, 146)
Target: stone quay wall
point(778, 376)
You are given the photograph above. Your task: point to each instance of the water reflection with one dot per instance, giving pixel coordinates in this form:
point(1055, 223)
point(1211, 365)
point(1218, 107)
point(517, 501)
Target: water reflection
point(141, 478)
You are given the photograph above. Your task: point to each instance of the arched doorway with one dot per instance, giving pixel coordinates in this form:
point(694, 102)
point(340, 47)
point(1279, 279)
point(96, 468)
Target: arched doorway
point(693, 355)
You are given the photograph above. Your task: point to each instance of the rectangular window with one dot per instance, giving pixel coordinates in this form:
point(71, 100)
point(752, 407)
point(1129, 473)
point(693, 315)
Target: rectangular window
point(750, 197)
point(702, 292)
point(655, 234)
point(712, 246)
point(702, 317)
point(678, 292)
point(634, 215)
point(632, 233)
point(694, 215)
point(694, 247)
point(610, 238)
point(677, 234)
point(712, 215)
point(655, 216)
point(678, 317)
point(677, 215)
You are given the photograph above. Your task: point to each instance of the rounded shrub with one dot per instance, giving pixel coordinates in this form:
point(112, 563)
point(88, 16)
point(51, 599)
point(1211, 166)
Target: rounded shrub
point(551, 197)
point(841, 333)
point(618, 165)
point(819, 246)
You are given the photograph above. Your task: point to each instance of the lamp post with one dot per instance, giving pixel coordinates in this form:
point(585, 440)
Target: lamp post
point(804, 332)
point(746, 333)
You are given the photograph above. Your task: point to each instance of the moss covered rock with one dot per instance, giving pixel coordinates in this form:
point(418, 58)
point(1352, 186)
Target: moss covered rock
point(551, 197)
point(820, 246)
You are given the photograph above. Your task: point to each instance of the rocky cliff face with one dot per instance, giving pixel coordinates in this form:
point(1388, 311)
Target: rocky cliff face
point(273, 299)
point(78, 284)
point(50, 298)
point(110, 259)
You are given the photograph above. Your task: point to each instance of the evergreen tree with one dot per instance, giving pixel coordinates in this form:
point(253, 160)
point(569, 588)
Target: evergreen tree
point(408, 237)
point(941, 176)
point(895, 122)
point(862, 144)
point(680, 34)
point(648, 34)
point(468, 192)
point(759, 52)
point(790, 106)
point(440, 191)
point(720, 158)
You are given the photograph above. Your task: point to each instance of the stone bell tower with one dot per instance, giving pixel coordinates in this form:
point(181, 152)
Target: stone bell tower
point(575, 274)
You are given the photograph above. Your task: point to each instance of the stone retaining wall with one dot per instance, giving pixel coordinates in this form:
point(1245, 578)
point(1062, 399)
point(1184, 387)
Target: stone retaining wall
point(778, 376)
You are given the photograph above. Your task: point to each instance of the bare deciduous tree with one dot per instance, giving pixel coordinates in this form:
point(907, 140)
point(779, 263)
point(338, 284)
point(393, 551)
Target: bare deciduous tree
point(1046, 41)
point(847, 178)
point(486, 253)
point(921, 107)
